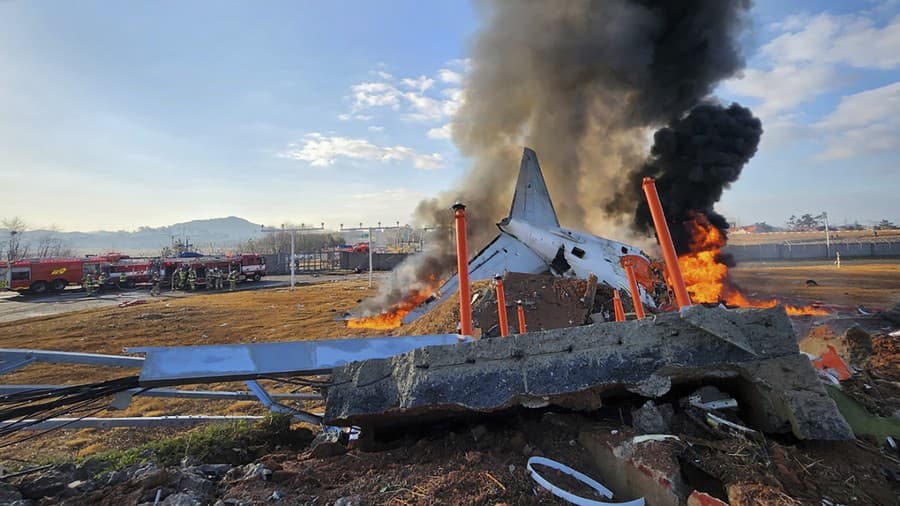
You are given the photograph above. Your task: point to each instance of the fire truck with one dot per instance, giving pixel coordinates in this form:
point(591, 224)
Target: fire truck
point(40, 276)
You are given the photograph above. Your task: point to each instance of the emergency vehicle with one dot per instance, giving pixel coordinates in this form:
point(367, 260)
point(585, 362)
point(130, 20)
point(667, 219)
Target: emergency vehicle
point(41, 276)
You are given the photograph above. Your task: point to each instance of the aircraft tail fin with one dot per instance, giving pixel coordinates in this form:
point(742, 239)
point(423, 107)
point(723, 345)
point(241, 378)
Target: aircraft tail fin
point(531, 201)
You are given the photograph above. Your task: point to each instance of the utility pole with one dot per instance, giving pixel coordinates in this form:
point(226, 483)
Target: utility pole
point(301, 229)
point(9, 257)
point(370, 230)
point(827, 235)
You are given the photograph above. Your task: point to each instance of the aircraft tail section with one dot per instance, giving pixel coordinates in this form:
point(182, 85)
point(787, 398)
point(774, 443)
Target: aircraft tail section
point(531, 201)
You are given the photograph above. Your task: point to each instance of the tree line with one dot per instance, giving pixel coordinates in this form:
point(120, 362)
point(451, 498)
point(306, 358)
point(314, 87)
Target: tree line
point(20, 244)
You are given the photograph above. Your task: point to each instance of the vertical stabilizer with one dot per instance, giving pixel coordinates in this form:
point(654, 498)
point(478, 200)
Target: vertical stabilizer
point(531, 202)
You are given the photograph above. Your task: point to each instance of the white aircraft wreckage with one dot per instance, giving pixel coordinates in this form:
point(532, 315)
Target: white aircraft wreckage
point(386, 383)
point(531, 241)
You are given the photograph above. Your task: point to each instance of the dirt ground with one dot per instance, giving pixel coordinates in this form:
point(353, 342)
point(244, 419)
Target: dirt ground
point(449, 468)
point(874, 284)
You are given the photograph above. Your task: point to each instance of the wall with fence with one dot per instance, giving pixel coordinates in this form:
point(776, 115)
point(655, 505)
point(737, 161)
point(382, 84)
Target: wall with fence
point(818, 251)
point(380, 261)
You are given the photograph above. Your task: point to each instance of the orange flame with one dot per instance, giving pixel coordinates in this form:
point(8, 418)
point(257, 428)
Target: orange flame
point(392, 317)
point(706, 275)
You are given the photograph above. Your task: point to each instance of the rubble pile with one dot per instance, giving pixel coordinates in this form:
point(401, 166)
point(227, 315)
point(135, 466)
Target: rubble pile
point(576, 367)
point(549, 302)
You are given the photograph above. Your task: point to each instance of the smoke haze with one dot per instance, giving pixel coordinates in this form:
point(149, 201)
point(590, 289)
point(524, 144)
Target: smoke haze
point(583, 83)
point(694, 160)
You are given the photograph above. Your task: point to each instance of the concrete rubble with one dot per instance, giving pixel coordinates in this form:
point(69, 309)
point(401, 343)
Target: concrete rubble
point(752, 352)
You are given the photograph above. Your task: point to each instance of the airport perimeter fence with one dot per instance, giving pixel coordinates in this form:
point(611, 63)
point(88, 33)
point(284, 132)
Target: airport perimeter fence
point(333, 261)
point(815, 251)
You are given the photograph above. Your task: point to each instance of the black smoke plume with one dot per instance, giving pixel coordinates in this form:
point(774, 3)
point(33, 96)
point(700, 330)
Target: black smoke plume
point(580, 81)
point(694, 160)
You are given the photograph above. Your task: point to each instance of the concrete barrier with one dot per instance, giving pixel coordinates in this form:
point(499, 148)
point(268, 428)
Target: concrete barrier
point(380, 261)
point(788, 251)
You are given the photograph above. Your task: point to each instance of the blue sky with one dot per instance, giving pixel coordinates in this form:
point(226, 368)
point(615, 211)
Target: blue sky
point(115, 115)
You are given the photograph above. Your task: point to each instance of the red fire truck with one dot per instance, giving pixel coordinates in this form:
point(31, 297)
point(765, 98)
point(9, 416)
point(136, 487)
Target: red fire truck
point(41, 276)
point(54, 274)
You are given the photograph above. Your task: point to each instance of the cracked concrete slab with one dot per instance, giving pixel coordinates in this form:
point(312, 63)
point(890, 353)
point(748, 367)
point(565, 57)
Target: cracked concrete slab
point(577, 367)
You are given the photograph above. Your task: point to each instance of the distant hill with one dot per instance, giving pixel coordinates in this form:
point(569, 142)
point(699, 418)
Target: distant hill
point(206, 236)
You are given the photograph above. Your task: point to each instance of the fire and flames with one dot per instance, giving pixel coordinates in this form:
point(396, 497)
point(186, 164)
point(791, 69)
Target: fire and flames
point(392, 317)
point(706, 274)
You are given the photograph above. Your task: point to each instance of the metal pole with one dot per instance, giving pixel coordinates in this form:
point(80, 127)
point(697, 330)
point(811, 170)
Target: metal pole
point(635, 293)
point(9, 255)
point(521, 313)
point(370, 257)
point(665, 243)
point(501, 306)
point(292, 260)
point(462, 266)
point(617, 305)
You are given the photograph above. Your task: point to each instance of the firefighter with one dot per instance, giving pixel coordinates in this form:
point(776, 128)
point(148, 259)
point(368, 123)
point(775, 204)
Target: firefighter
point(192, 279)
point(101, 280)
point(217, 279)
point(123, 280)
point(232, 280)
point(154, 290)
point(182, 275)
point(88, 283)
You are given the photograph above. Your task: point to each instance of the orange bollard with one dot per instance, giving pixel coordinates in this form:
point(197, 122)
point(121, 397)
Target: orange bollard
point(635, 293)
point(617, 304)
point(501, 306)
point(462, 265)
point(521, 311)
point(665, 242)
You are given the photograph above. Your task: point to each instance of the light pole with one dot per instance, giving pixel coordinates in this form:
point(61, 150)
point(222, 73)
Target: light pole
point(369, 230)
point(302, 228)
point(9, 257)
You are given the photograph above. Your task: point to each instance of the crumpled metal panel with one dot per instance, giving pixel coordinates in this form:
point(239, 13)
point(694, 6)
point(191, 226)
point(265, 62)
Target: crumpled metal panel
point(227, 362)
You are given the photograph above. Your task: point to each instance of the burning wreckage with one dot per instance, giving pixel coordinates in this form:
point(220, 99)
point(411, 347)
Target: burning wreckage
point(725, 361)
point(388, 382)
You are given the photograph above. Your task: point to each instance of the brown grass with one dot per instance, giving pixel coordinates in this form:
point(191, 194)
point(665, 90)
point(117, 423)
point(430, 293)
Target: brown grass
point(874, 284)
point(248, 316)
point(306, 313)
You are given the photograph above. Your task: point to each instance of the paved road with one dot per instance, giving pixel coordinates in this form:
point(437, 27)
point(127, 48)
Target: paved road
point(14, 306)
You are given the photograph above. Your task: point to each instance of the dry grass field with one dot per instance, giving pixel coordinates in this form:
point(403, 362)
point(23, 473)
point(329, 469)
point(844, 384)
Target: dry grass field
point(249, 316)
point(307, 313)
point(872, 283)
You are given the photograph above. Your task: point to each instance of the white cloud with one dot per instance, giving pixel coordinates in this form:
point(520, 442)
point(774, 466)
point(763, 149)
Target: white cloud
point(382, 74)
point(784, 86)
point(464, 63)
point(323, 151)
point(420, 83)
point(366, 95)
point(442, 132)
point(417, 98)
point(376, 128)
point(360, 117)
point(852, 40)
point(450, 76)
point(863, 123)
point(804, 60)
